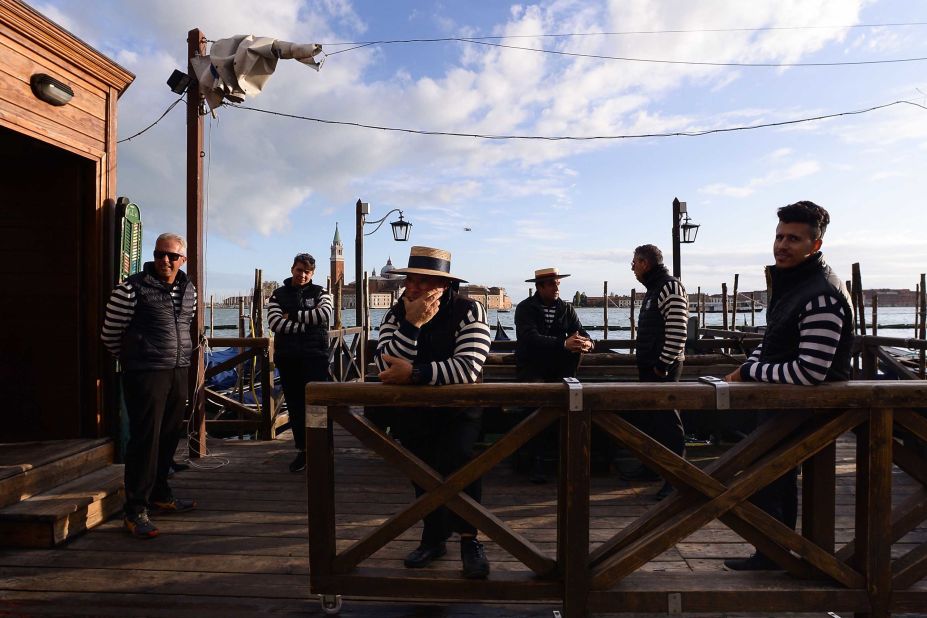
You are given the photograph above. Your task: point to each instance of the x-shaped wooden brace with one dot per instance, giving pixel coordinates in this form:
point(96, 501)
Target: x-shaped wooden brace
point(704, 497)
point(911, 512)
point(341, 349)
point(440, 491)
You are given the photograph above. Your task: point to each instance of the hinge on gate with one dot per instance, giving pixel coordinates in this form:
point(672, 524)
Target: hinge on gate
point(575, 394)
point(674, 603)
point(722, 391)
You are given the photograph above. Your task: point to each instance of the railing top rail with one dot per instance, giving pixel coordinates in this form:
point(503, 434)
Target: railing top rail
point(900, 342)
point(353, 330)
point(633, 396)
point(238, 342)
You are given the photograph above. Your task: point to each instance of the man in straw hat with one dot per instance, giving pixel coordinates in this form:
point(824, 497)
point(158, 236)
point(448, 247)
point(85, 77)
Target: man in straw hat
point(434, 336)
point(550, 342)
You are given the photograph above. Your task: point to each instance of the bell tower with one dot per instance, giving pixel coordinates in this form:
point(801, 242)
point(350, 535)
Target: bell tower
point(337, 260)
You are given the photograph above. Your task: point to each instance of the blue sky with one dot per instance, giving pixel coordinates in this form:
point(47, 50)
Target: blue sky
point(278, 186)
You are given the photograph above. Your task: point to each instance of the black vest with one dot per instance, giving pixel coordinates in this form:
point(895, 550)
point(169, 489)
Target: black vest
point(550, 365)
point(314, 342)
point(437, 339)
point(157, 338)
point(651, 327)
point(792, 288)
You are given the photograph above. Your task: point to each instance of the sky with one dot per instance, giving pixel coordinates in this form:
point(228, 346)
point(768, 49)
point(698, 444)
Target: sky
point(277, 186)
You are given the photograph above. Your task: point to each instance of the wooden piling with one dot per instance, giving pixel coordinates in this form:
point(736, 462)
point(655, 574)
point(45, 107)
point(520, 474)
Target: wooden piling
point(703, 309)
point(734, 303)
point(257, 304)
point(753, 308)
point(633, 324)
point(923, 321)
point(212, 316)
point(605, 309)
point(724, 306)
point(859, 304)
point(875, 314)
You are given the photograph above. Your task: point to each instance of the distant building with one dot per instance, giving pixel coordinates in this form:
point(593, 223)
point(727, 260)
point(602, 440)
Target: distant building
point(336, 261)
point(492, 297)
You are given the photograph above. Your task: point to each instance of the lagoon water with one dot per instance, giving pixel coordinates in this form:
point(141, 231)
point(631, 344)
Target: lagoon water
point(618, 320)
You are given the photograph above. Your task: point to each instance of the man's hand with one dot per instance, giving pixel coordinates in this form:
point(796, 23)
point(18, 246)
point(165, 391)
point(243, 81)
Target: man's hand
point(578, 343)
point(733, 376)
point(420, 311)
point(399, 370)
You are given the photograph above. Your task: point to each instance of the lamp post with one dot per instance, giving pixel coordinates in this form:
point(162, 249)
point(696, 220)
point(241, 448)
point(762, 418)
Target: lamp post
point(400, 234)
point(689, 230)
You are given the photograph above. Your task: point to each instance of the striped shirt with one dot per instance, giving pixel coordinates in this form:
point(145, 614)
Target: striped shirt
point(549, 313)
point(121, 309)
point(471, 347)
point(819, 326)
point(673, 303)
point(319, 315)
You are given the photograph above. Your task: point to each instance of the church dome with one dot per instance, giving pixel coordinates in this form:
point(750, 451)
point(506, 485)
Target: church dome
point(387, 271)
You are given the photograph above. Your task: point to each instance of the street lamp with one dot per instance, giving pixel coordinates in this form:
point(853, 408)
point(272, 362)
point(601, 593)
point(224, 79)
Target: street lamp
point(401, 229)
point(681, 222)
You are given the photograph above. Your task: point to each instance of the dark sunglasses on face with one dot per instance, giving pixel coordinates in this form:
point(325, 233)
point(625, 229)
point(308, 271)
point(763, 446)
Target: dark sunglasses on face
point(173, 257)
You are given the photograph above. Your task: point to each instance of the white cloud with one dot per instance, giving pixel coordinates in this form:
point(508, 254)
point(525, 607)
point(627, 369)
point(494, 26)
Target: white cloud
point(793, 172)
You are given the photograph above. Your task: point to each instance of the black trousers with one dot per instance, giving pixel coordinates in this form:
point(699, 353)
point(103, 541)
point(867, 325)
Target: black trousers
point(295, 373)
point(155, 401)
point(665, 426)
point(779, 498)
point(443, 438)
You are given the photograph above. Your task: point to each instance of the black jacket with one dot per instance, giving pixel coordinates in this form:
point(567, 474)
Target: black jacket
point(157, 338)
point(539, 351)
point(313, 342)
point(651, 327)
point(792, 289)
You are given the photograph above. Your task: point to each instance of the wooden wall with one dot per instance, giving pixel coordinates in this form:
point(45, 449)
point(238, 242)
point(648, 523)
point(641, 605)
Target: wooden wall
point(59, 170)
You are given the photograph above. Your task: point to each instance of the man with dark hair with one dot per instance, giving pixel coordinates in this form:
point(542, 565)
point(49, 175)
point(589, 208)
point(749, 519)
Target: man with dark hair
point(434, 336)
point(550, 341)
point(661, 341)
point(808, 339)
point(147, 327)
point(299, 313)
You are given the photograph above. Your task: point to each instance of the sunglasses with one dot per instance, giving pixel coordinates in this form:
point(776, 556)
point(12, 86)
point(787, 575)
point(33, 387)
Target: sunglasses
point(173, 257)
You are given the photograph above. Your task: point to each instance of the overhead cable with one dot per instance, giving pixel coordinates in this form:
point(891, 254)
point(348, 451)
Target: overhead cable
point(576, 137)
point(161, 117)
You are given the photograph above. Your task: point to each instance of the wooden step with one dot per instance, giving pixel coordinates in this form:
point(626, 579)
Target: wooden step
point(54, 516)
point(30, 468)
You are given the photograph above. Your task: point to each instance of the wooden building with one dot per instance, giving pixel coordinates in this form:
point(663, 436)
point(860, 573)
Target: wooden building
point(58, 169)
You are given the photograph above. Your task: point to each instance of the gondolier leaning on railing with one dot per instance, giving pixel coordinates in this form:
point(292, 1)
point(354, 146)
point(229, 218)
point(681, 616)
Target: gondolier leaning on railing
point(433, 336)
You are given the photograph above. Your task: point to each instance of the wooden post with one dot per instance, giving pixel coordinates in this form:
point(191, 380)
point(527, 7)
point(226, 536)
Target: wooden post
point(320, 482)
point(338, 300)
point(573, 520)
point(241, 333)
point(366, 289)
point(196, 46)
point(923, 320)
point(212, 315)
point(753, 308)
point(257, 304)
point(605, 309)
point(859, 302)
point(724, 305)
point(698, 304)
point(734, 303)
point(875, 314)
point(702, 302)
point(633, 323)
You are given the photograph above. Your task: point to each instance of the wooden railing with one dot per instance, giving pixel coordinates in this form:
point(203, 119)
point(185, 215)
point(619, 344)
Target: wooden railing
point(251, 419)
point(861, 576)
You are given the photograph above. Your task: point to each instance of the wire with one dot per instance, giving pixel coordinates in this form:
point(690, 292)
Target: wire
point(573, 137)
point(161, 117)
point(359, 44)
point(692, 62)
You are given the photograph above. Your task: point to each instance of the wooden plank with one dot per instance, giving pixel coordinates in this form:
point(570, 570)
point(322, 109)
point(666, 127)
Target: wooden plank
point(878, 501)
point(818, 487)
point(574, 568)
point(44, 466)
point(910, 568)
point(320, 491)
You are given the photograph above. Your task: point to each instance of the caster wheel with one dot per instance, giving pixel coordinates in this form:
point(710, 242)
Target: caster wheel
point(331, 603)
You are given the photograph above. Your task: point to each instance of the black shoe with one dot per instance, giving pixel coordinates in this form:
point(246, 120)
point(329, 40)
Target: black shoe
point(756, 562)
point(473, 556)
point(299, 464)
point(665, 491)
point(139, 525)
point(639, 474)
point(423, 555)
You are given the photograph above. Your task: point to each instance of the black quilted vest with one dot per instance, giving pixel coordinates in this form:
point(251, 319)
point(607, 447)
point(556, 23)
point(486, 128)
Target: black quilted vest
point(157, 338)
point(313, 342)
point(651, 326)
point(792, 288)
point(436, 339)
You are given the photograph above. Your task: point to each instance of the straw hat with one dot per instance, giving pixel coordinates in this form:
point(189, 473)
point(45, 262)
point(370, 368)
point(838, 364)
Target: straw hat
point(544, 274)
point(429, 261)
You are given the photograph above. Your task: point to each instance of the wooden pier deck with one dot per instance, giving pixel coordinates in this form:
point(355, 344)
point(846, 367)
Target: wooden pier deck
point(244, 551)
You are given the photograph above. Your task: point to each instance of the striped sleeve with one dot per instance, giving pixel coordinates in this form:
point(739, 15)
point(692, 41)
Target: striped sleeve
point(119, 312)
point(397, 338)
point(320, 314)
point(819, 325)
point(755, 355)
point(471, 347)
point(277, 322)
point(674, 306)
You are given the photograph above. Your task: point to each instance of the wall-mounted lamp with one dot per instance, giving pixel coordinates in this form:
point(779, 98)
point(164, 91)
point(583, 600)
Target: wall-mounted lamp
point(50, 90)
point(178, 82)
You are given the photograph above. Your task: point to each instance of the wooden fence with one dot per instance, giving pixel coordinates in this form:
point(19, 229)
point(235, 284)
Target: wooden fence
point(860, 576)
